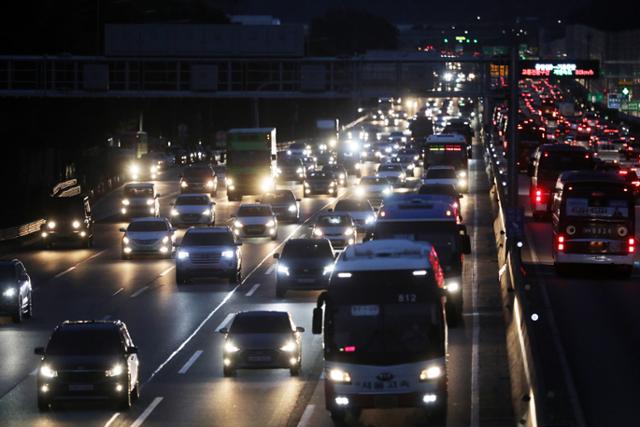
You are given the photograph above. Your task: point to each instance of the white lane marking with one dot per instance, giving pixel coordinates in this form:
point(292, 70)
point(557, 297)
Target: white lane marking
point(112, 419)
point(138, 422)
point(226, 320)
point(117, 292)
point(270, 269)
point(107, 317)
point(253, 289)
point(70, 269)
point(306, 416)
point(190, 362)
point(167, 271)
point(139, 291)
point(229, 295)
point(475, 356)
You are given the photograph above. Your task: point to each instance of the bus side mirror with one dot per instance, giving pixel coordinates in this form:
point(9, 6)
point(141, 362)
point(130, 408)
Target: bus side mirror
point(466, 244)
point(316, 326)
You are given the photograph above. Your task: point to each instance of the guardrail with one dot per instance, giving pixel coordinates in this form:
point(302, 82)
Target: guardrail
point(542, 395)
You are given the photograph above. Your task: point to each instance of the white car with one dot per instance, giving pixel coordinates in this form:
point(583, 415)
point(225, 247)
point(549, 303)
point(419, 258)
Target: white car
point(148, 236)
point(445, 175)
point(193, 209)
point(139, 199)
point(393, 172)
point(255, 220)
point(363, 214)
point(339, 229)
point(373, 188)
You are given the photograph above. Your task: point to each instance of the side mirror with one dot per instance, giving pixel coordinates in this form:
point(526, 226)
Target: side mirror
point(466, 244)
point(276, 256)
point(39, 351)
point(123, 230)
point(132, 350)
point(316, 327)
point(223, 331)
point(300, 329)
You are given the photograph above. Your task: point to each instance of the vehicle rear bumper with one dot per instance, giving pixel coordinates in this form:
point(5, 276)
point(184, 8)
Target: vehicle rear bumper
point(595, 259)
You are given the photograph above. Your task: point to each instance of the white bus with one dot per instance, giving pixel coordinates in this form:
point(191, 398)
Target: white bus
point(385, 333)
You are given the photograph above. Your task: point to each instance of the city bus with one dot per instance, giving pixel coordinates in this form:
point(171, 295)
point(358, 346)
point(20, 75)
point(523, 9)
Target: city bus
point(448, 149)
point(593, 220)
point(385, 334)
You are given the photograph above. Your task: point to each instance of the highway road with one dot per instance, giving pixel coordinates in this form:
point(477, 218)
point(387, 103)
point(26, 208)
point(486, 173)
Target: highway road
point(180, 351)
point(597, 319)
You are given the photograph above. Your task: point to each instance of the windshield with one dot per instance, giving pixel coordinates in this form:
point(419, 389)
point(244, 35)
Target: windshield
point(208, 239)
point(440, 174)
point(603, 202)
point(551, 166)
point(334, 220)
point(87, 342)
point(64, 207)
point(247, 158)
point(254, 211)
point(353, 205)
point(319, 175)
point(138, 191)
point(148, 226)
point(271, 198)
point(197, 173)
point(260, 324)
point(369, 180)
point(311, 249)
point(443, 235)
point(192, 200)
point(388, 167)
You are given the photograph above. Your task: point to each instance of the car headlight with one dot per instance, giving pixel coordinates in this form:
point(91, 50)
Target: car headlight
point(47, 372)
point(238, 224)
point(51, 225)
point(174, 212)
point(125, 239)
point(165, 239)
point(453, 286)
point(292, 208)
point(183, 254)
point(9, 292)
point(153, 169)
point(115, 371)
point(289, 347)
point(339, 376)
point(267, 184)
point(317, 232)
point(125, 202)
point(230, 347)
point(348, 231)
point(75, 224)
point(431, 373)
point(359, 191)
point(228, 254)
point(342, 176)
point(206, 212)
point(462, 182)
point(134, 169)
point(210, 183)
point(149, 202)
point(283, 269)
point(387, 191)
point(462, 174)
point(328, 269)
point(184, 184)
point(306, 184)
point(228, 181)
point(271, 223)
point(415, 158)
point(299, 170)
point(370, 219)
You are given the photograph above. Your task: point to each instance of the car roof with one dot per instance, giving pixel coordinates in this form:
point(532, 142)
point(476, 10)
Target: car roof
point(254, 205)
point(104, 325)
point(149, 219)
point(384, 254)
point(592, 176)
point(139, 185)
point(262, 313)
point(305, 241)
point(209, 230)
point(415, 207)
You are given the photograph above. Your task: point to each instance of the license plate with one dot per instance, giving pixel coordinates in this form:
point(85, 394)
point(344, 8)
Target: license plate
point(385, 401)
point(80, 387)
point(597, 247)
point(306, 280)
point(259, 358)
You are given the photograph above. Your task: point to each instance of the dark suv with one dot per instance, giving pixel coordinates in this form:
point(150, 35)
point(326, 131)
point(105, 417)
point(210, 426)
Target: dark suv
point(15, 290)
point(88, 360)
point(304, 264)
point(199, 179)
point(68, 219)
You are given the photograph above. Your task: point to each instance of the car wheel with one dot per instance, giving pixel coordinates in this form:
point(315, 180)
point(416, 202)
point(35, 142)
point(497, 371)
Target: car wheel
point(228, 372)
point(18, 314)
point(281, 291)
point(275, 236)
point(235, 278)
point(295, 370)
point(135, 393)
point(43, 404)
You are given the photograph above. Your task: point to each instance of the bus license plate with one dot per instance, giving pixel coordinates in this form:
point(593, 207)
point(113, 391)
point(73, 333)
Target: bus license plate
point(598, 231)
point(598, 247)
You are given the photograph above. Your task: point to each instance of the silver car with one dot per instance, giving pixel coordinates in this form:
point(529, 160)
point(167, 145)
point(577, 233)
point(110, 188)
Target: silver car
point(193, 209)
point(339, 229)
point(361, 211)
point(139, 200)
point(148, 236)
point(255, 220)
point(208, 252)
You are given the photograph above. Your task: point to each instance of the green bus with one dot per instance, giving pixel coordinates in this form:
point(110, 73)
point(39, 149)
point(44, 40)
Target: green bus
point(251, 162)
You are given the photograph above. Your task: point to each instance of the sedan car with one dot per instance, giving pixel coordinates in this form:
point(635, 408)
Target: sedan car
point(139, 199)
point(283, 203)
point(208, 252)
point(393, 172)
point(361, 211)
point(319, 182)
point(262, 339)
point(199, 179)
point(88, 360)
point(339, 229)
point(339, 173)
point(444, 175)
point(148, 236)
point(255, 220)
point(373, 188)
point(193, 209)
point(15, 288)
point(305, 264)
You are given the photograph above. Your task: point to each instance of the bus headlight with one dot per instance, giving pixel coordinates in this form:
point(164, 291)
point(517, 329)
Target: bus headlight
point(339, 376)
point(431, 373)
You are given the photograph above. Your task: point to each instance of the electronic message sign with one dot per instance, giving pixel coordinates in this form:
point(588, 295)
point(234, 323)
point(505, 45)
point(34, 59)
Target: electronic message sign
point(580, 69)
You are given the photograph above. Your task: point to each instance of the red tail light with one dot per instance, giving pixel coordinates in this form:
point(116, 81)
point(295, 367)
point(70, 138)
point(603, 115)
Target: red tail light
point(631, 245)
point(561, 243)
point(538, 196)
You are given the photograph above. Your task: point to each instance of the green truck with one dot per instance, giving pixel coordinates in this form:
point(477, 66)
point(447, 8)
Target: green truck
point(251, 162)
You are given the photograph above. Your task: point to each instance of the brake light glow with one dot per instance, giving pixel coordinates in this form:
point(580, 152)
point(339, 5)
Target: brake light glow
point(560, 243)
point(538, 196)
point(349, 349)
point(631, 245)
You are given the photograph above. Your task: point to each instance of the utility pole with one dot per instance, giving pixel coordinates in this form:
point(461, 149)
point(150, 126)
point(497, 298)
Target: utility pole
point(512, 171)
